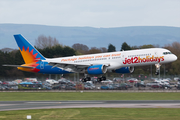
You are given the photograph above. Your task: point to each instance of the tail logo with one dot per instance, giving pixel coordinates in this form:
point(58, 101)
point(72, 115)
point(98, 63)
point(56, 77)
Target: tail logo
point(28, 56)
point(30, 60)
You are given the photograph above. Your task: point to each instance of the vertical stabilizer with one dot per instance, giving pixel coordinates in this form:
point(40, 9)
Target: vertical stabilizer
point(28, 52)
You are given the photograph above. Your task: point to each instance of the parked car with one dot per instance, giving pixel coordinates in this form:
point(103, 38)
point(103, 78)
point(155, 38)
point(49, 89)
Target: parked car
point(173, 84)
point(122, 87)
point(37, 82)
point(91, 86)
point(139, 85)
point(52, 81)
point(132, 80)
point(168, 79)
point(111, 87)
point(13, 87)
point(63, 81)
point(117, 79)
point(176, 78)
point(46, 84)
point(58, 87)
point(178, 87)
point(2, 87)
point(89, 82)
point(129, 86)
point(164, 83)
point(107, 81)
point(46, 87)
point(70, 87)
point(86, 87)
point(156, 86)
point(166, 87)
point(104, 87)
point(5, 83)
point(152, 83)
point(114, 86)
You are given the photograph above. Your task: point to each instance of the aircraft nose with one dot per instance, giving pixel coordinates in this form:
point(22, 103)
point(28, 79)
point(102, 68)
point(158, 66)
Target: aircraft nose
point(174, 58)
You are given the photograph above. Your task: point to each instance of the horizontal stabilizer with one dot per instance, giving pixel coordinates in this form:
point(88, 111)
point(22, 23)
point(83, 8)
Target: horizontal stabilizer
point(18, 66)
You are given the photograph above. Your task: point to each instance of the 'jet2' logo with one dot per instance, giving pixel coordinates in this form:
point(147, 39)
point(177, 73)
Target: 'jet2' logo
point(143, 60)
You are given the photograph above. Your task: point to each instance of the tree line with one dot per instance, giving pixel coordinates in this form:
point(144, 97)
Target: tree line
point(49, 47)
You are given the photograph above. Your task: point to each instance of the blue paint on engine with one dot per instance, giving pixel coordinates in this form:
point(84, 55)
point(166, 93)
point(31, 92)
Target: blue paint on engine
point(123, 70)
point(95, 69)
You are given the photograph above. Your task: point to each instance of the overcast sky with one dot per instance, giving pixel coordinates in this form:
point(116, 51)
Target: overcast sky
point(92, 13)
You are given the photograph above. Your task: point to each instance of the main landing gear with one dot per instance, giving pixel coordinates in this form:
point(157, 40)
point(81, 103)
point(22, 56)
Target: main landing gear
point(157, 68)
point(94, 80)
point(86, 78)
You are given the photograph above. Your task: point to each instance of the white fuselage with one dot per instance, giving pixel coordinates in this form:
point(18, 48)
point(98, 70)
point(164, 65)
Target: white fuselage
point(116, 60)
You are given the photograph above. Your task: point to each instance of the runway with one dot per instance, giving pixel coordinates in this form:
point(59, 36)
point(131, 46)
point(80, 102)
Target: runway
point(25, 105)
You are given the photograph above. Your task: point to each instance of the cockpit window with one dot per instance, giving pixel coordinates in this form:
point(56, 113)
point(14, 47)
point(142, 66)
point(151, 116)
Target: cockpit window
point(166, 53)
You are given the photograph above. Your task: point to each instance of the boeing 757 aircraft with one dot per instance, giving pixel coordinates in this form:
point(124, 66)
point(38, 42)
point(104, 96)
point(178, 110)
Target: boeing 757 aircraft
point(92, 64)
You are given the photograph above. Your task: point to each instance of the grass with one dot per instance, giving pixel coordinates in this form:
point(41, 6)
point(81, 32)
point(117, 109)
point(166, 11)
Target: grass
point(94, 114)
point(90, 113)
point(42, 96)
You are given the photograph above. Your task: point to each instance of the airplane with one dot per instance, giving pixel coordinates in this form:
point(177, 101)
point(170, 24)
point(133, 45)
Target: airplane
point(91, 64)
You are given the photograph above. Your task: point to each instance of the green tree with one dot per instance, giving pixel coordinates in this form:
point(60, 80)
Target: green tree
point(125, 47)
point(111, 48)
point(147, 46)
point(142, 47)
point(68, 51)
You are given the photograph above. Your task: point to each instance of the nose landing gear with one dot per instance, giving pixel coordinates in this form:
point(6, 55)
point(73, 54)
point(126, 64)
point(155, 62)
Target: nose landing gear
point(157, 68)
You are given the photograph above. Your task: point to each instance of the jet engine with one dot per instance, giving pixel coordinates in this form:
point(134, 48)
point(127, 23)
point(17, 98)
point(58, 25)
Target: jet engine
point(125, 70)
point(96, 69)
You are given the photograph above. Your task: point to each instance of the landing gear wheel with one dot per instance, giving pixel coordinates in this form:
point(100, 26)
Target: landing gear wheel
point(103, 78)
point(157, 68)
point(157, 73)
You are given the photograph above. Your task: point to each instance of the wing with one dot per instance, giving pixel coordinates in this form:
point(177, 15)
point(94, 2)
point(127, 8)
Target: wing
point(71, 67)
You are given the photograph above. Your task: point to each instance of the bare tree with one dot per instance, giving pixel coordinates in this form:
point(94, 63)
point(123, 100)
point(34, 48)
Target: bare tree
point(174, 68)
point(81, 48)
point(94, 50)
point(44, 42)
point(103, 49)
point(174, 48)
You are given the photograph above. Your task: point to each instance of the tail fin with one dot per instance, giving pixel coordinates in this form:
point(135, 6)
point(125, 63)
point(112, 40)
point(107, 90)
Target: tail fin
point(28, 52)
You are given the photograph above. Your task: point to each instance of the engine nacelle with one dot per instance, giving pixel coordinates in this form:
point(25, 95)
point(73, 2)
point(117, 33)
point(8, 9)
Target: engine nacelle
point(96, 69)
point(125, 70)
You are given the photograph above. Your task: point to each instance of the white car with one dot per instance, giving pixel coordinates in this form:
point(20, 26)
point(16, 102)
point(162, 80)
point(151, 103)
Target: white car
point(176, 78)
point(89, 82)
point(52, 81)
point(164, 83)
point(107, 81)
point(152, 83)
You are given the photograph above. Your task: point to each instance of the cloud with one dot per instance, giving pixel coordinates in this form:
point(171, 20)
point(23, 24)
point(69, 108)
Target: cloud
point(93, 13)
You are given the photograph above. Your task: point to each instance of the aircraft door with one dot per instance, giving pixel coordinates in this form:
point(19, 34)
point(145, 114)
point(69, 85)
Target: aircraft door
point(155, 56)
point(123, 57)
